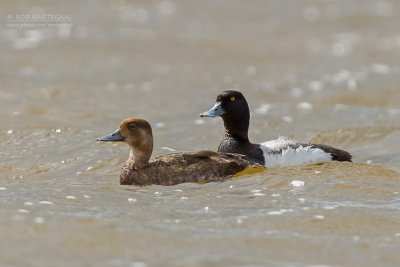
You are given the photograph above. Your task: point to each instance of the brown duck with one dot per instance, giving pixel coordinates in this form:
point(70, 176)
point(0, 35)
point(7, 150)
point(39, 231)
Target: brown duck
point(198, 166)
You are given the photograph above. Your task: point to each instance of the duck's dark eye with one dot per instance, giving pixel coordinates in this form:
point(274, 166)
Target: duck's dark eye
point(131, 125)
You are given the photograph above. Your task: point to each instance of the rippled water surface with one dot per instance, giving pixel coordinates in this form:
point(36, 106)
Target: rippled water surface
point(322, 71)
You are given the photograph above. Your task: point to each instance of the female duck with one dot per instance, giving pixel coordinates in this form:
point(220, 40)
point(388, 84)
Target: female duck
point(234, 110)
point(198, 166)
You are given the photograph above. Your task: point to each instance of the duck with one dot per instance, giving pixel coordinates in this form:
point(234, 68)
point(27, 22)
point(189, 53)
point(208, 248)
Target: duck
point(197, 167)
point(232, 107)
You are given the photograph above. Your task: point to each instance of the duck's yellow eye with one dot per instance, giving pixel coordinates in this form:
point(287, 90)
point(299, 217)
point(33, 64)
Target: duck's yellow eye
point(233, 98)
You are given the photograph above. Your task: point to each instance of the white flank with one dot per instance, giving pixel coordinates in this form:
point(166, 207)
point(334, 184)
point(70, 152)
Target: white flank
point(278, 153)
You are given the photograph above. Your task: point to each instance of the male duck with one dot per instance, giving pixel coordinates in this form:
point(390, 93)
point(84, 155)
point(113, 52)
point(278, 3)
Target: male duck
point(198, 166)
point(234, 110)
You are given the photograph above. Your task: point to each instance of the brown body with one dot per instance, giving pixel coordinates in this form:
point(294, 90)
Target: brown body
point(199, 166)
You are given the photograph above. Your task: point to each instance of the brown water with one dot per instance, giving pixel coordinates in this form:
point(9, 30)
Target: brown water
point(322, 71)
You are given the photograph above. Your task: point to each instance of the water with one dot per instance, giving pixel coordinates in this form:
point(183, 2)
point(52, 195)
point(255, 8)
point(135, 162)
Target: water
point(321, 71)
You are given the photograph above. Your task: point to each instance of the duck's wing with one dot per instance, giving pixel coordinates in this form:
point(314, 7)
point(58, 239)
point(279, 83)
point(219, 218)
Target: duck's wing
point(198, 166)
point(287, 152)
point(202, 154)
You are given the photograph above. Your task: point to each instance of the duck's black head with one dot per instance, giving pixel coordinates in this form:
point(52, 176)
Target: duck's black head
point(232, 107)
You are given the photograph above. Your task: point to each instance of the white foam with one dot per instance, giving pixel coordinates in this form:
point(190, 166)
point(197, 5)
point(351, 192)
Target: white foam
point(31, 39)
point(199, 121)
point(287, 119)
point(23, 211)
point(315, 85)
point(263, 109)
point(44, 202)
point(305, 106)
point(297, 183)
point(160, 124)
point(380, 68)
point(167, 148)
point(341, 76)
point(39, 220)
point(278, 212)
point(301, 200)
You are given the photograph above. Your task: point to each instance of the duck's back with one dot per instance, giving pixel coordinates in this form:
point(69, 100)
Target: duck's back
point(287, 152)
point(199, 166)
point(283, 152)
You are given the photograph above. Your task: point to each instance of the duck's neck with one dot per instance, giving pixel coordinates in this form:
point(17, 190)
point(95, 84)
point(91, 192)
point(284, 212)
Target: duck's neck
point(236, 128)
point(140, 157)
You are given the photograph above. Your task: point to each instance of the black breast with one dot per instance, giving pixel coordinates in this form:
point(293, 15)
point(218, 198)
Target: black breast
point(252, 151)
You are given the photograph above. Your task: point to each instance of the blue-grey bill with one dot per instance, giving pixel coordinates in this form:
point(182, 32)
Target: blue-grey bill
point(215, 111)
point(115, 136)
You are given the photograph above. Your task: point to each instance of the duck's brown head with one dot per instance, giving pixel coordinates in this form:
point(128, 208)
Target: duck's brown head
point(138, 135)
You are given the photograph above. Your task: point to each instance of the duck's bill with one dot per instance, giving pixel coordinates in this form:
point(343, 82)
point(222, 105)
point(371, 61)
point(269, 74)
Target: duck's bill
point(114, 137)
point(215, 111)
